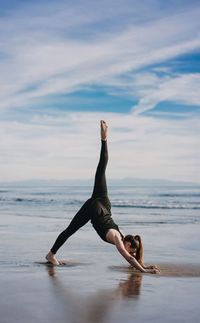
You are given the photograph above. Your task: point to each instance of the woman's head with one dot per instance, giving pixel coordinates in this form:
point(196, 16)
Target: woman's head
point(133, 244)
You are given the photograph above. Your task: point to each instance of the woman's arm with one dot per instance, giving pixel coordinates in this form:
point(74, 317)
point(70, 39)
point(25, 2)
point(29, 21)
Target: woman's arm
point(131, 260)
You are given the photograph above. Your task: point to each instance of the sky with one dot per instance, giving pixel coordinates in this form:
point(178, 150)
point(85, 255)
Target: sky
point(65, 65)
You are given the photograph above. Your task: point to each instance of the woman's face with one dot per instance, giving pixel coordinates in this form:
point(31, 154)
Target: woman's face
point(131, 250)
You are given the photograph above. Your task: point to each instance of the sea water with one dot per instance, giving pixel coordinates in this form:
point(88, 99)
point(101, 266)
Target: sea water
point(167, 218)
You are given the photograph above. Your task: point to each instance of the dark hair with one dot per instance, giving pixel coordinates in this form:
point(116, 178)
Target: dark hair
point(136, 243)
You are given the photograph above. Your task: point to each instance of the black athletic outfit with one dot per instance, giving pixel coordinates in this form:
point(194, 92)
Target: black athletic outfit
point(97, 208)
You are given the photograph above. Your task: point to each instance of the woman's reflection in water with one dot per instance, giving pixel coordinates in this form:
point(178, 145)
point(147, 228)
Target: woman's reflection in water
point(130, 287)
point(99, 306)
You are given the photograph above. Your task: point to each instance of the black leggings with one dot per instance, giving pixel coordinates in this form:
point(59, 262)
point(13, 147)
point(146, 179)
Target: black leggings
point(84, 215)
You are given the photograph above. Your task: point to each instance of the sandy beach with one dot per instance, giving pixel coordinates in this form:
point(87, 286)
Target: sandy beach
point(96, 285)
point(79, 293)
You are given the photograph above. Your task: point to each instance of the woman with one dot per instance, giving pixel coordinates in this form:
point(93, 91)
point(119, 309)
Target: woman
point(97, 209)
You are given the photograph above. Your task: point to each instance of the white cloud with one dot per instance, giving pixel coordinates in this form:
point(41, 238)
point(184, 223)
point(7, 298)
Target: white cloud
point(67, 146)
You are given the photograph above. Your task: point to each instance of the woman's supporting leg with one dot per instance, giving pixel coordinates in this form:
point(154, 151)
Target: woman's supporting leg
point(79, 220)
point(100, 186)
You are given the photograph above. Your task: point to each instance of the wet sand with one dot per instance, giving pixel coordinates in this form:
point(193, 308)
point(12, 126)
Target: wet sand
point(96, 285)
point(77, 292)
point(169, 270)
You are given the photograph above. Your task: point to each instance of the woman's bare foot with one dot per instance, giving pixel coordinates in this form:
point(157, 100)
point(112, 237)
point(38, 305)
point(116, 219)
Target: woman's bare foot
point(50, 257)
point(104, 130)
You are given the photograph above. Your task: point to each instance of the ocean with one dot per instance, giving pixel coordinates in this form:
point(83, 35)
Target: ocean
point(168, 220)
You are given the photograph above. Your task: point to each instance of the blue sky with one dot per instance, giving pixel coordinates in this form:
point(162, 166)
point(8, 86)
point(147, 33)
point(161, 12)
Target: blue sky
point(67, 64)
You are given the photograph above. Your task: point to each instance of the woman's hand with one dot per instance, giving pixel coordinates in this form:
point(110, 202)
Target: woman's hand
point(152, 267)
point(153, 271)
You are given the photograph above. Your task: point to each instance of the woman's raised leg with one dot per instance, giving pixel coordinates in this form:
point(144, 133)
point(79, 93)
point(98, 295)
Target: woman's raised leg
point(100, 186)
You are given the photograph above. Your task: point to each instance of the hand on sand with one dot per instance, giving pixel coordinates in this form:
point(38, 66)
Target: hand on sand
point(104, 130)
point(152, 269)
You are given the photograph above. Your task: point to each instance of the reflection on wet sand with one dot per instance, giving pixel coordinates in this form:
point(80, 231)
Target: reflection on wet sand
point(100, 305)
point(132, 286)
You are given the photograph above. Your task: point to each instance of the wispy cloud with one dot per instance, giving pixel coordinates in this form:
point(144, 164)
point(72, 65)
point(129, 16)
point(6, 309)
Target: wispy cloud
point(45, 54)
point(182, 89)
